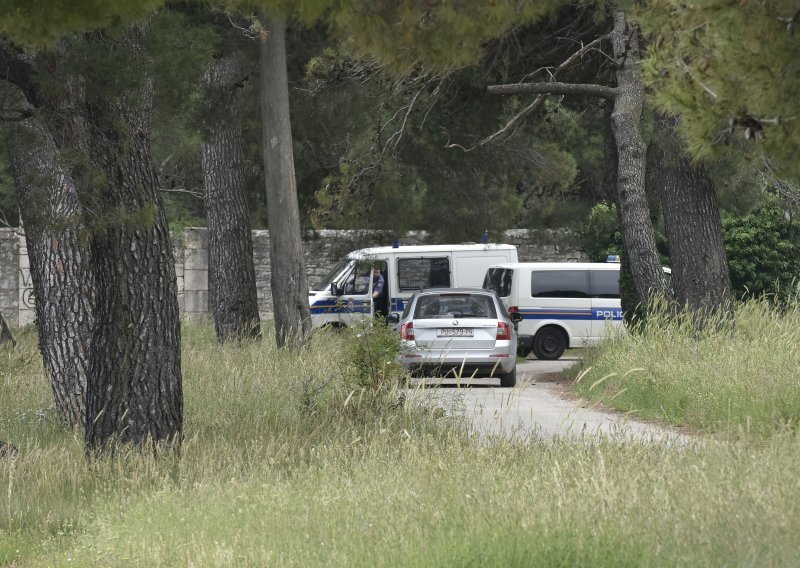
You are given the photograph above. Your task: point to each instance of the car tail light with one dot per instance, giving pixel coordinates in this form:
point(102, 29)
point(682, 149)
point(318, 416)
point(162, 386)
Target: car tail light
point(407, 331)
point(513, 310)
point(503, 330)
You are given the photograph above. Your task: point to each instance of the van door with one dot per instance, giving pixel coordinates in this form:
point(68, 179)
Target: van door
point(356, 298)
point(563, 296)
point(606, 306)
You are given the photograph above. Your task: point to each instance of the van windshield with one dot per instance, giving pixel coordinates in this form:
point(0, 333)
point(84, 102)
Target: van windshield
point(326, 280)
point(499, 280)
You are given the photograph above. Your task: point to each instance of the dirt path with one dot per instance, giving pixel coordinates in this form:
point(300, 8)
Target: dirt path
point(537, 406)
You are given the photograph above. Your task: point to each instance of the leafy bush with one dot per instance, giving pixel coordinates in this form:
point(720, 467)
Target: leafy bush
point(599, 234)
point(763, 252)
point(371, 355)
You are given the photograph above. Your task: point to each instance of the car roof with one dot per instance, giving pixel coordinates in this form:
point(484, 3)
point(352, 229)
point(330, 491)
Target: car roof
point(559, 265)
point(366, 253)
point(454, 291)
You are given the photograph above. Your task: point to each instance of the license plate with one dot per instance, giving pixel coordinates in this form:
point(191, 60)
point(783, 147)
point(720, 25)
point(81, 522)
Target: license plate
point(455, 332)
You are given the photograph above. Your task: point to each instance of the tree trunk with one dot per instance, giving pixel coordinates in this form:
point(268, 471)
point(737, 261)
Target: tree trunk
point(637, 228)
point(231, 273)
point(700, 276)
point(289, 281)
point(60, 263)
point(134, 390)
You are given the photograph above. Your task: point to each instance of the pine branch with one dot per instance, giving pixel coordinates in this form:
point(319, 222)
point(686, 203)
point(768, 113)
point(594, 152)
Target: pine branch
point(512, 125)
point(554, 89)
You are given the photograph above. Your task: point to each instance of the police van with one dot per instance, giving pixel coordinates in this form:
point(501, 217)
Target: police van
point(346, 292)
point(563, 304)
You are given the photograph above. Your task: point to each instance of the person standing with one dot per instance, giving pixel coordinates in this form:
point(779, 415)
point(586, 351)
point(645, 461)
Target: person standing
point(378, 291)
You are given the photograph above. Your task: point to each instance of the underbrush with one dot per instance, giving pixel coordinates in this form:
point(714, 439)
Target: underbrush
point(293, 459)
point(737, 379)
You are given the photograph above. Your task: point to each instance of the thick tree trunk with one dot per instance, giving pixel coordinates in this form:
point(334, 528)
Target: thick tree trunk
point(637, 228)
point(134, 390)
point(289, 280)
point(700, 276)
point(60, 263)
point(231, 273)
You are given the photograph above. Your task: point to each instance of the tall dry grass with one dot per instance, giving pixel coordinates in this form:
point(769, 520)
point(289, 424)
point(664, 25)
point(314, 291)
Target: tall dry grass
point(284, 464)
point(740, 379)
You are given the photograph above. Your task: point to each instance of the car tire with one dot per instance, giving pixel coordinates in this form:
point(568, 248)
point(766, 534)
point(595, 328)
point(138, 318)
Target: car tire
point(549, 343)
point(508, 380)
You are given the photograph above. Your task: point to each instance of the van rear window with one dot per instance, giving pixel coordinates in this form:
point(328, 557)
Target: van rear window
point(604, 283)
point(421, 273)
point(559, 284)
point(499, 280)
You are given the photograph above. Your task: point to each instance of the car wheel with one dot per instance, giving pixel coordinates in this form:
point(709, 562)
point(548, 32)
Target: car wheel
point(508, 380)
point(549, 343)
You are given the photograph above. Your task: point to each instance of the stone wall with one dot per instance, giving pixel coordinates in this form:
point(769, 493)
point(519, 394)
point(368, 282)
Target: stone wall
point(322, 250)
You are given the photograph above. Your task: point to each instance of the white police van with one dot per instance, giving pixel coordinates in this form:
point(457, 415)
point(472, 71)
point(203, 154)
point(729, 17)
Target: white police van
point(562, 304)
point(346, 292)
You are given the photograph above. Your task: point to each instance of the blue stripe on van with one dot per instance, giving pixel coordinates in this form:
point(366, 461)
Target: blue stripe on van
point(571, 313)
point(335, 306)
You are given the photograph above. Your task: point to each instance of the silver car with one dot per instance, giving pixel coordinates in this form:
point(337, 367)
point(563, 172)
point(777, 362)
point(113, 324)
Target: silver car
point(458, 332)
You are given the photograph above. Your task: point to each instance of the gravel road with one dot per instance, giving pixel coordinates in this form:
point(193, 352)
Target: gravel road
point(538, 406)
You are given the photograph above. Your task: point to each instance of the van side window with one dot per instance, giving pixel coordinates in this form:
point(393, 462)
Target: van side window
point(499, 280)
point(604, 283)
point(420, 273)
point(559, 284)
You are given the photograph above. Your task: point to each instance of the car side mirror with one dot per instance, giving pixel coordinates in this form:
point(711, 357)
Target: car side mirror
point(516, 317)
point(335, 290)
point(393, 318)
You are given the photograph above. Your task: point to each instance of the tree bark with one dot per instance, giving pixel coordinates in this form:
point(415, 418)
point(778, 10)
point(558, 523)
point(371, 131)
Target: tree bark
point(289, 281)
point(700, 276)
point(60, 263)
point(231, 273)
point(637, 228)
point(134, 390)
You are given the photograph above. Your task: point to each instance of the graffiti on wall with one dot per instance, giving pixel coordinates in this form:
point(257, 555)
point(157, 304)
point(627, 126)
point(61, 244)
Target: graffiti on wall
point(26, 283)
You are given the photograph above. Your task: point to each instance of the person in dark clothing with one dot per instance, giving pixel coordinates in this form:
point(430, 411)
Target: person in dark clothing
point(378, 291)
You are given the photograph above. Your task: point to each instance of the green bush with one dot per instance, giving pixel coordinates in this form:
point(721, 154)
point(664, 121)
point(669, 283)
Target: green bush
point(371, 355)
point(763, 252)
point(599, 234)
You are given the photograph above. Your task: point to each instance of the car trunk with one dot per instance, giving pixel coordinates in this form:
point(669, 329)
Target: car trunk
point(438, 333)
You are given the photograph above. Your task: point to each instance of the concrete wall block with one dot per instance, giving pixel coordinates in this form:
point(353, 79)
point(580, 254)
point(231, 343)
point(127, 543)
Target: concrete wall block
point(195, 280)
point(196, 259)
point(195, 302)
point(195, 238)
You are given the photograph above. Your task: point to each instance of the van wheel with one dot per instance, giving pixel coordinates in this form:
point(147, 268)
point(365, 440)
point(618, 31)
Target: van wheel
point(549, 343)
point(508, 380)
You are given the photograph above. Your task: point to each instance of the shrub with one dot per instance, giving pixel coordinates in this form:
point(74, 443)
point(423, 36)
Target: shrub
point(371, 355)
point(763, 252)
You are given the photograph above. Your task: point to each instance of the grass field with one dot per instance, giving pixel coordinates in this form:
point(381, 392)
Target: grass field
point(743, 381)
point(284, 464)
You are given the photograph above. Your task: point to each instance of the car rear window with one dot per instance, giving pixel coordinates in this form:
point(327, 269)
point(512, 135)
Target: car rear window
point(445, 306)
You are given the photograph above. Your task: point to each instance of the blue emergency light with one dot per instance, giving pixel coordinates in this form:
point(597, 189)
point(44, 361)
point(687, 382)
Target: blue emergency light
point(612, 258)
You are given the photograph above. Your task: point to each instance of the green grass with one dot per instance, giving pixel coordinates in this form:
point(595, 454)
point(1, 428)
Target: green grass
point(740, 381)
point(281, 466)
